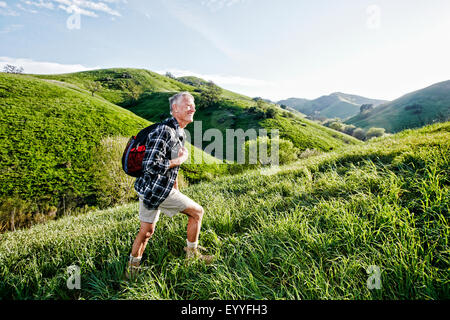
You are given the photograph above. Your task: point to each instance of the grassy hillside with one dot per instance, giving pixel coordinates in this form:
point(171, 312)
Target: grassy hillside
point(305, 231)
point(413, 110)
point(53, 147)
point(233, 112)
point(335, 105)
point(117, 83)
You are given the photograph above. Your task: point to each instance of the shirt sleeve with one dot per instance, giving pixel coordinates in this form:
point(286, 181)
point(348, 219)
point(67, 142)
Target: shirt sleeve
point(155, 159)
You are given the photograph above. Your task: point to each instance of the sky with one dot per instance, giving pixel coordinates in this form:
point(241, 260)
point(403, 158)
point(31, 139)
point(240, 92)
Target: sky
point(379, 49)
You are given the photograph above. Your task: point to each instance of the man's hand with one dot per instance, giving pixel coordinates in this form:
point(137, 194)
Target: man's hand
point(182, 157)
point(183, 154)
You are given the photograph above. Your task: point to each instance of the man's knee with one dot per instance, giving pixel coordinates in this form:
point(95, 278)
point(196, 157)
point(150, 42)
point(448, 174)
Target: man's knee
point(195, 212)
point(199, 212)
point(148, 231)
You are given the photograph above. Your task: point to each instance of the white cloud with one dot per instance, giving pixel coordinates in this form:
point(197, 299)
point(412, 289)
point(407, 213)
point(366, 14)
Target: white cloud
point(40, 67)
point(6, 11)
point(40, 4)
point(25, 9)
point(216, 5)
point(82, 7)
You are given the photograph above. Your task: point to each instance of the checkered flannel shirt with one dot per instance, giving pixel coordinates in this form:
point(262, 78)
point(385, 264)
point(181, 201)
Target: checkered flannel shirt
point(162, 145)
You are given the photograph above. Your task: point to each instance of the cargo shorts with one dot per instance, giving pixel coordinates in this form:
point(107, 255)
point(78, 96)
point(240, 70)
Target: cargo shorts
point(174, 203)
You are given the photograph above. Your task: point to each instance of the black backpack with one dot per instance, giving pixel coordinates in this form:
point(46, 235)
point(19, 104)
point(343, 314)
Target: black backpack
point(134, 152)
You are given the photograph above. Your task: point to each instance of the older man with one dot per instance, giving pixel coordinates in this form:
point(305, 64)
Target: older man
point(158, 188)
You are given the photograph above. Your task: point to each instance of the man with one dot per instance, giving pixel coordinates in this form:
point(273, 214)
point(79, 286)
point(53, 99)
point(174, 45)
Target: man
point(158, 187)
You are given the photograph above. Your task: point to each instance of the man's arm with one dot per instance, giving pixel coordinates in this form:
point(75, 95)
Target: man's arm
point(182, 157)
point(155, 159)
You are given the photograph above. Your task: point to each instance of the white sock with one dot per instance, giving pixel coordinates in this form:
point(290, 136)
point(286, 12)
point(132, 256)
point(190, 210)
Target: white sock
point(135, 259)
point(191, 245)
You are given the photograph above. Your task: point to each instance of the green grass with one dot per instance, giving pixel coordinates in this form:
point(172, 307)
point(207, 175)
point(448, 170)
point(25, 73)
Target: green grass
point(308, 230)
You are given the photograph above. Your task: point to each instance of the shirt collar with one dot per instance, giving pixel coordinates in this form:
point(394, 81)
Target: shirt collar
point(173, 122)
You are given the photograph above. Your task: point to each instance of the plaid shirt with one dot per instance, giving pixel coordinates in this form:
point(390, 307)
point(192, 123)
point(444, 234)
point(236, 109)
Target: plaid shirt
point(161, 146)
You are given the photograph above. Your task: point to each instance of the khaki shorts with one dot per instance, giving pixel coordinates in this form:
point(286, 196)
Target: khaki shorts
point(174, 203)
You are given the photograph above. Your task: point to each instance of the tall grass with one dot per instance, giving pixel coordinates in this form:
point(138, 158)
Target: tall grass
point(308, 230)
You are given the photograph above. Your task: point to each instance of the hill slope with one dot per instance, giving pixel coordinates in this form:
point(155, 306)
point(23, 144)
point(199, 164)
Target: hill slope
point(307, 231)
point(412, 110)
point(233, 112)
point(50, 140)
point(335, 105)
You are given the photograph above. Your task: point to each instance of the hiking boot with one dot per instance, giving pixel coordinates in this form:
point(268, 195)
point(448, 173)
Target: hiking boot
point(192, 253)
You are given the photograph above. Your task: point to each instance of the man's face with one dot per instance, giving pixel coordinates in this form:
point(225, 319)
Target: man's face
point(184, 110)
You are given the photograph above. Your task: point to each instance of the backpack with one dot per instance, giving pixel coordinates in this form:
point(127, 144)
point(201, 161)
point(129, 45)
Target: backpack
point(135, 150)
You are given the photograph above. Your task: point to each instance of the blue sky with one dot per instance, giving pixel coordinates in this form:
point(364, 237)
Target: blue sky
point(274, 49)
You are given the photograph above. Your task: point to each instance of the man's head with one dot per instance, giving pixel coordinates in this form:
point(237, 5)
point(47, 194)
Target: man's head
point(182, 107)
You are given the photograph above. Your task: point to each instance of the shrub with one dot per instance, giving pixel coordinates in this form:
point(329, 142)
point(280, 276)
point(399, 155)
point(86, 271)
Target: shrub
point(359, 134)
point(348, 129)
point(271, 113)
point(287, 152)
point(375, 132)
point(112, 185)
point(338, 126)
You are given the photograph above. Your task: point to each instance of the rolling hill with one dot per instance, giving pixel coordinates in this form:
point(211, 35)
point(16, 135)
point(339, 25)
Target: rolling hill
point(55, 139)
point(234, 111)
point(335, 105)
point(413, 110)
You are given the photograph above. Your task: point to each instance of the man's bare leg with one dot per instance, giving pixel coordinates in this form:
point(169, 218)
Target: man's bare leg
point(145, 233)
point(195, 216)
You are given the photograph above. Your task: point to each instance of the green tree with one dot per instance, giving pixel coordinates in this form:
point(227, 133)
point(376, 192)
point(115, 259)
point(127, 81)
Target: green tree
point(93, 87)
point(169, 75)
point(132, 90)
point(12, 69)
point(210, 95)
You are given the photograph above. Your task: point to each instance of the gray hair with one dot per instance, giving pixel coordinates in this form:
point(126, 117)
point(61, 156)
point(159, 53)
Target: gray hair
point(177, 97)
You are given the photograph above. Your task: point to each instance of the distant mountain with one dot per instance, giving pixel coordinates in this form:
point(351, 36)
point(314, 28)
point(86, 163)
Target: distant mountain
point(296, 103)
point(413, 110)
point(335, 105)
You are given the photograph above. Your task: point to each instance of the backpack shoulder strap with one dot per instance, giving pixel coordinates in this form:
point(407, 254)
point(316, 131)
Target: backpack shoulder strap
point(143, 134)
